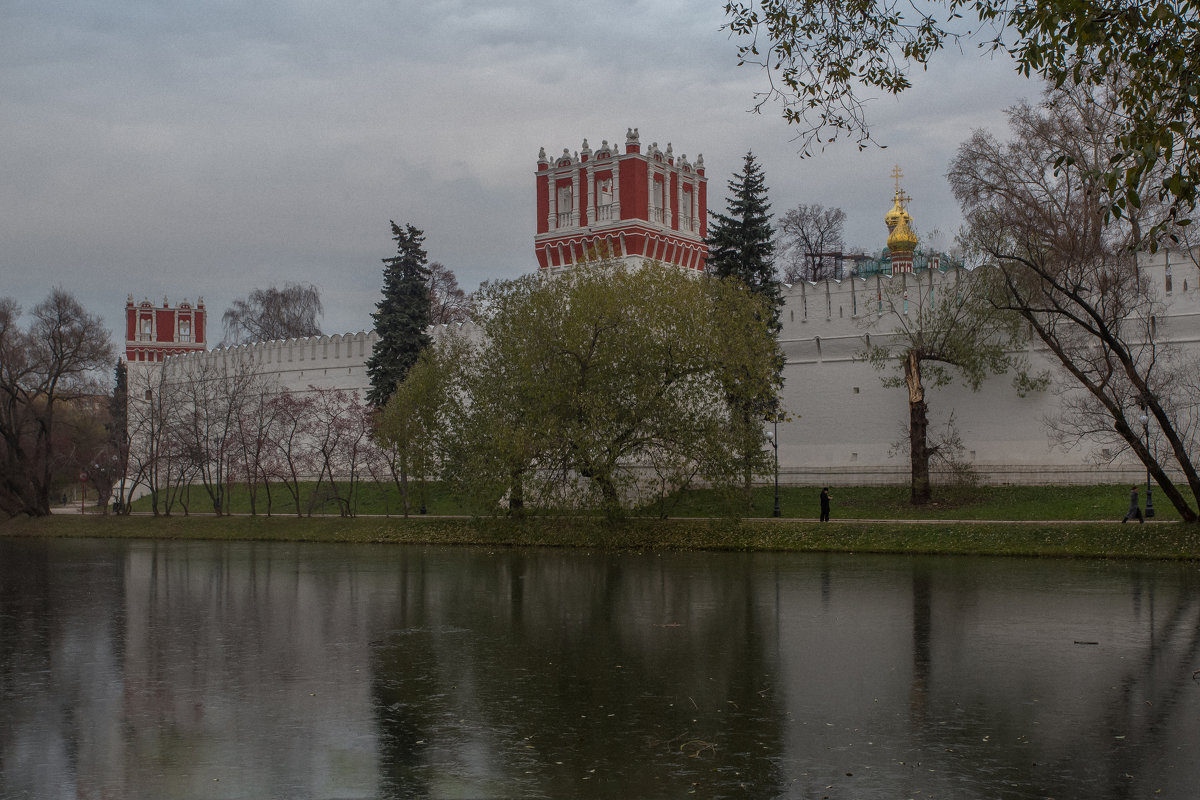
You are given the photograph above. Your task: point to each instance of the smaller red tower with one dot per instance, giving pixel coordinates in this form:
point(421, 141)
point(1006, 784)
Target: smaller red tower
point(634, 206)
point(153, 333)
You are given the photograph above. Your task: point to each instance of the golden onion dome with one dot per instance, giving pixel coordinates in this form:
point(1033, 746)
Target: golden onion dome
point(896, 215)
point(902, 238)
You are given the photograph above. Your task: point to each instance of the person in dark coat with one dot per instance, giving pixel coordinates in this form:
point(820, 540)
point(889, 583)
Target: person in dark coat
point(1135, 511)
point(825, 504)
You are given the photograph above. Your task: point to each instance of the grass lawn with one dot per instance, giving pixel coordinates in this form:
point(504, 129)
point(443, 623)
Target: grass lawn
point(366, 499)
point(849, 502)
point(892, 502)
point(1082, 521)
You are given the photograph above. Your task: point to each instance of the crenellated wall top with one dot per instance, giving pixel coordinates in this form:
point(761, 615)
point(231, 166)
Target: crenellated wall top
point(350, 349)
point(844, 305)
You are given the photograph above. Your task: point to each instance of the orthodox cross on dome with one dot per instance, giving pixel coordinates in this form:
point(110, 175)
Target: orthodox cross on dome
point(897, 174)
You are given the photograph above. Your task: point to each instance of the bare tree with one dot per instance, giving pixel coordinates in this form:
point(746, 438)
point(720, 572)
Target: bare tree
point(58, 359)
point(1036, 207)
point(252, 441)
point(148, 411)
point(447, 302)
point(810, 243)
point(290, 456)
point(274, 313)
point(338, 429)
point(217, 390)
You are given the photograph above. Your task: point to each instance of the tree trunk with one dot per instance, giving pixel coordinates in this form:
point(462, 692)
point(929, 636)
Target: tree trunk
point(516, 495)
point(918, 430)
point(611, 498)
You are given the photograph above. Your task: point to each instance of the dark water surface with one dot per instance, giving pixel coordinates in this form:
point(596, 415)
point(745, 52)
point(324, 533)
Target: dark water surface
point(267, 670)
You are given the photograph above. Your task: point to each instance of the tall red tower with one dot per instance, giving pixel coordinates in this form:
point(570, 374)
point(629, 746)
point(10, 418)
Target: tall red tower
point(633, 206)
point(153, 333)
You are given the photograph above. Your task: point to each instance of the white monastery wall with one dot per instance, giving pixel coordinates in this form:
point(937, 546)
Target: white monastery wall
point(843, 422)
point(298, 365)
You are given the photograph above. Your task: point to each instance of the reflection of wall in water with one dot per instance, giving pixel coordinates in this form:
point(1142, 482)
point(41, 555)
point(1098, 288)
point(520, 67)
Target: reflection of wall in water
point(254, 644)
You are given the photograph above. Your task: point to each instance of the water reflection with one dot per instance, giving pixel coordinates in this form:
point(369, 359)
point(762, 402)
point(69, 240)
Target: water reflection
point(197, 670)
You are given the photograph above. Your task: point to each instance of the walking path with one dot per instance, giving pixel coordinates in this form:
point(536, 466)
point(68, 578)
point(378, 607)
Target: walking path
point(70, 509)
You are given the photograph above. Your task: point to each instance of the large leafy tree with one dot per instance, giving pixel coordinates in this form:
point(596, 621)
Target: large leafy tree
point(825, 58)
point(402, 317)
point(608, 386)
point(55, 361)
point(274, 313)
point(934, 331)
point(414, 426)
point(1071, 272)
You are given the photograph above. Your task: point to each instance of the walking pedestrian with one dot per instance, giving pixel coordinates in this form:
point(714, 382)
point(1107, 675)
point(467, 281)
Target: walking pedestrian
point(825, 504)
point(1135, 511)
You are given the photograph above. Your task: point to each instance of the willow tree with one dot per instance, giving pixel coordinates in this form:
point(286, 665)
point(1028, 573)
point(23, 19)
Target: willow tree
point(608, 386)
point(274, 313)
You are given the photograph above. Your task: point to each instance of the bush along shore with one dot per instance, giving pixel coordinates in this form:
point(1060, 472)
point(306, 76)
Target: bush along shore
point(1163, 540)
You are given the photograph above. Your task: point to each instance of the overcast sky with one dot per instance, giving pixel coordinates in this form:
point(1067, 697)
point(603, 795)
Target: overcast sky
point(206, 148)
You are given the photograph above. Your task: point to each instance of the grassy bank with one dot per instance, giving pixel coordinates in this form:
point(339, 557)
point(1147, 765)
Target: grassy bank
point(849, 502)
point(1104, 539)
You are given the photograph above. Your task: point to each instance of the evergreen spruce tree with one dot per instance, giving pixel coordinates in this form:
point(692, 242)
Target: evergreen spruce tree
point(741, 243)
point(402, 316)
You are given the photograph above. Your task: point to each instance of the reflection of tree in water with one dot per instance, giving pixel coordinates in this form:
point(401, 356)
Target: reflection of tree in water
point(1135, 727)
point(995, 745)
point(564, 674)
point(59, 658)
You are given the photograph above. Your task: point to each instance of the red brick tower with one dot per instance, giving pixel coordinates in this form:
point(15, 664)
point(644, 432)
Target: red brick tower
point(633, 206)
point(152, 334)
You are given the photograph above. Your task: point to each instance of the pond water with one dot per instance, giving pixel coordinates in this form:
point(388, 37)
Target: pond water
point(271, 670)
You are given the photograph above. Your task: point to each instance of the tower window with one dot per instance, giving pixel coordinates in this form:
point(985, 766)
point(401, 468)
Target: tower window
point(566, 205)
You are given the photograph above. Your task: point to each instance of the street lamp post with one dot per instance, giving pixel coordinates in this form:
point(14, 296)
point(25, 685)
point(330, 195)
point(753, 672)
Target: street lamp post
point(773, 435)
point(1149, 498)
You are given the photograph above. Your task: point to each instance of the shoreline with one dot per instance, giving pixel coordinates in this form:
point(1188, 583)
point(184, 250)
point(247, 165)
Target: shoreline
point(1073, 539)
